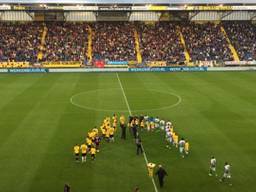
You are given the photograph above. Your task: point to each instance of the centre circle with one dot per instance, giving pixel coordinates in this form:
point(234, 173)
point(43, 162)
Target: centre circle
point(113, 100)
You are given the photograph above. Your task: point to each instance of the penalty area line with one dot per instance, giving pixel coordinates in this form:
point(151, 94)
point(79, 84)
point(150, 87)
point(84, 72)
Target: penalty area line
point(130, 112)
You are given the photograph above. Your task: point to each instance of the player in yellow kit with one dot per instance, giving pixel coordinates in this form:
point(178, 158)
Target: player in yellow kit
point(142, 124)
point(93, 152)
point(175, 139)
point(96, 132)
point(114, 118)
point(107, 134)
point(89, 142)
point(91, 134)
point(187, 147)
point(76, 152)
point(103, 130)
point(111, 134)
point(114, 124)
point(151, 167)
point(95, 129)
point(122, 120)
point(84, 152)
point(107, 120)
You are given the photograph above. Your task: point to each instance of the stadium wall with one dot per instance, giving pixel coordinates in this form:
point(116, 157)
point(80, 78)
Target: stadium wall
point(222, 16)
point(80, 16)
point(16, 16)
point(145, 16)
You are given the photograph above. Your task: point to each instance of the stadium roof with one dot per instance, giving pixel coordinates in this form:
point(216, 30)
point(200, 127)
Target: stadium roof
point(128, 1)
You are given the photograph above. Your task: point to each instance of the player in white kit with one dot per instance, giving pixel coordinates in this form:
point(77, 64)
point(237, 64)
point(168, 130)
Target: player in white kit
point(169, 139)
point(227, 173)
point(182, 147)
point(156, 121)
point(213, 163)
point(162, 124)
point(168, 123)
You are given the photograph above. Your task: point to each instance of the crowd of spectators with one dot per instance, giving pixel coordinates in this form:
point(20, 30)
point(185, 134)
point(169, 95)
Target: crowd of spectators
point(20, 42)
point(114, 41)
point(161, 42)
point(66, 41)
point(206, 42)
point(243, 37)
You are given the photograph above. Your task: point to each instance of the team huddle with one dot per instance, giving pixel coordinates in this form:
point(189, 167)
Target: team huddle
point(94, 137)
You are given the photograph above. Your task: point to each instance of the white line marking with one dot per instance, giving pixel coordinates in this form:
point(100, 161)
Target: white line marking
point(130, 112)
point(72, 101)
point(125, 98)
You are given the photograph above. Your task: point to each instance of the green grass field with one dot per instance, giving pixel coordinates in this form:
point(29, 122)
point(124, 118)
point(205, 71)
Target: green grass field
point(39, 126)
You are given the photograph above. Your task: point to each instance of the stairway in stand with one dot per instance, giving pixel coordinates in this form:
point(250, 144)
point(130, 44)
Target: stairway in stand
point(187, 56)
point(137, 46)
point(231, 47)
point(89, 48)
point(42, 45)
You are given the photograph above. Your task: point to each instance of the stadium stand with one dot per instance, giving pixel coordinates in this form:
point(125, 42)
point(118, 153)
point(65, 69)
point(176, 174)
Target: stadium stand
point(243, 37)
point(66, 42)
point(160, 42)
point(19, 42)
point(206, 42)
point(113, 41)
point(118, 44)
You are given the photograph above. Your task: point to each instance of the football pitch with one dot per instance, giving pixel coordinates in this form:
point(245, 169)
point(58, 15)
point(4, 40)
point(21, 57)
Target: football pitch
point(42, 116)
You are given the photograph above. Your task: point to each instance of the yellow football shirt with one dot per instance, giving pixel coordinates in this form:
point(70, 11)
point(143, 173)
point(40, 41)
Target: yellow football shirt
point(122, 120)
point(88, 141)
point(187, 146)
point(111, 131)
point(83, 148)
point(93, 151)
point(76, 149)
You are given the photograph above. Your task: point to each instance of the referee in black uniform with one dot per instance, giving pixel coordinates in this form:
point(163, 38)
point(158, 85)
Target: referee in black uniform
point(161, 173)
point(123, 130)
point(139, 145)
point(66, 188)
